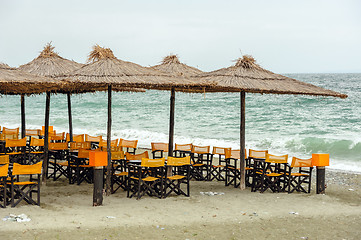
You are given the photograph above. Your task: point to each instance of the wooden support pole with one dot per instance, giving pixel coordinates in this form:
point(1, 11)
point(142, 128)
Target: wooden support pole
point(98, 186)
point(23, 128)
point(70, 118)
point(320, 180)
point(242, 185)
point(109, 134)
point(46, 138)
point(171, 122)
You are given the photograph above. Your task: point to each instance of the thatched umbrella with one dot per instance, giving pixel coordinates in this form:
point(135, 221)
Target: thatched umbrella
point(106, 70)
point(173, 66)
point(247, 76)
point(50, 64)
point(17, 82)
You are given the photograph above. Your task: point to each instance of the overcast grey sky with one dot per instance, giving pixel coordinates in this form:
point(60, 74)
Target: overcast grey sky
point(284, 36)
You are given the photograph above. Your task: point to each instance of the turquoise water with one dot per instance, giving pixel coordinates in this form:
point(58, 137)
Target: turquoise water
point(284, 124)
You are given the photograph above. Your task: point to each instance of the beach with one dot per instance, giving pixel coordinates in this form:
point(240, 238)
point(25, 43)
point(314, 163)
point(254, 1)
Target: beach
point(66, 212)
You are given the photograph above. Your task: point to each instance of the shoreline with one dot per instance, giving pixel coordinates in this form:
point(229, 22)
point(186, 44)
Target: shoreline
point(66, 212)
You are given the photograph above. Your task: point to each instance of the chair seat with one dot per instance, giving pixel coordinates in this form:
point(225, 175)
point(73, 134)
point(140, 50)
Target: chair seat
point(274, 174)
point(176, 177)
point(146, 179)
point(248, 168)
point(121, 174)
point(14, 153)
point(85, 166)
point(218, 166)
point(36, 152)
point(24, 183)
point(299, 174)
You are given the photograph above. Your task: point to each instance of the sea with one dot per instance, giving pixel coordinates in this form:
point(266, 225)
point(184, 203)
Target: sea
point(284, 124)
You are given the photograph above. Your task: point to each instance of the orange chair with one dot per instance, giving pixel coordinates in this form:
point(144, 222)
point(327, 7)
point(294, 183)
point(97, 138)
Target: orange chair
point(11, 131)
point(24, 190)
point(136, 157)
point(217, 170)
point(146, 178)
point(57, 137)
point(3, 189)
point(58, 160)
point(270, 174)
point(201, 161)
point(182, 150)
point(130, 145)
point(158, 147)
point(33, 132)
point(103, 144)
point(76, 137)
point(93, 140)
point(36, 150)
point(301, 180)
point(180, 167)
point(16, 149)
point(119, 172)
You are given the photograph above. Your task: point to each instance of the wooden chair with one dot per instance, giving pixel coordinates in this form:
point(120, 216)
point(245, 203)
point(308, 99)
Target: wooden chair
point(103, 144)
point(158, 147)
point(131, 157)
point(93, 140)
point(16, 149)
point(180, 168)
point(233, 173)
point(119, 172)
point(36, 150)
point(201, 162)
point(76, 137)
point(182, 150)
point(271, 174)
point(57, 137)
point(146, 178)
point(58, 160)
point(11, 131)
point(217, 170)
point(24, 190)
point(3, 189)
point(301, 180)
point(130, 145)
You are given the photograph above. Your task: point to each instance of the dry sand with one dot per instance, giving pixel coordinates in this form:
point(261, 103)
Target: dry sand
point(66, 212)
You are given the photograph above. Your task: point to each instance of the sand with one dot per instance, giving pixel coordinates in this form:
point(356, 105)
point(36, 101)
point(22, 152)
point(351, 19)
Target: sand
point(66, 212)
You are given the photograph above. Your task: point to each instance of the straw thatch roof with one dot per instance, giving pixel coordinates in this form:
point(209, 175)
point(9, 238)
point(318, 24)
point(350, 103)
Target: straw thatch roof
point(50, 64)
point(172, 65)
point(246, 75)
point(104, 69)
point(14, 81)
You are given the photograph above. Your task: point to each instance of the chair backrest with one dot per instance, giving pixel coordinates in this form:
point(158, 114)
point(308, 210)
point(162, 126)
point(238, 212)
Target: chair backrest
point(158, 162)
point(4, 170)
point(19, 169)
point(76, 137)
point(58, 146)
point(236, 153)
point(113, 143)
point(4, 159)
point(89, 138)
point(35, 142)
point(80, 145)
point(139, 156)
point(173, 161)
point(257, 153)
point(118, 155)
point(16, 142)
point(220, 150)
point(298, 162)
point(128, 143)
point(158, 146)
point(183, 147)
point(32, 132)
point(276, 159)
point(4, 136)
point(10, 130)
point(57, 136)
point(200, 149)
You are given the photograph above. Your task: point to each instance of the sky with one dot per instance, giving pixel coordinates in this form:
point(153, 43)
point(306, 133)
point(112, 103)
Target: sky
point(284, 36)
